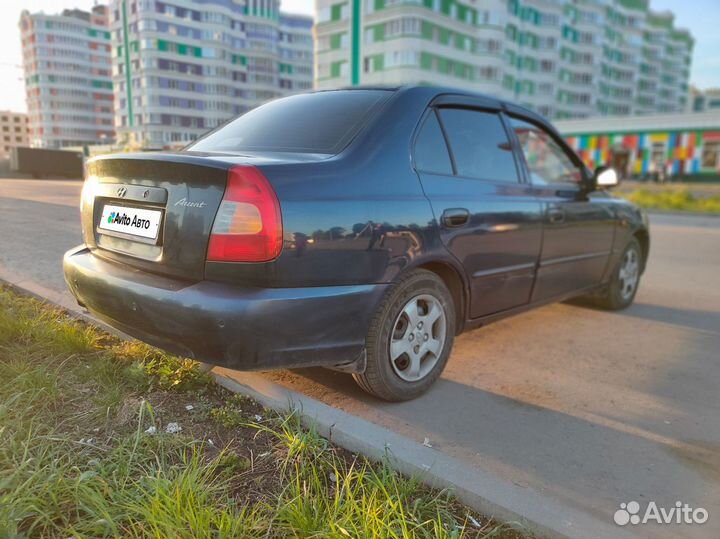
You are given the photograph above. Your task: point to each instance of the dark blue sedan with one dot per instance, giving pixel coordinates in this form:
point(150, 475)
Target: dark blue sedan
point(356, 229)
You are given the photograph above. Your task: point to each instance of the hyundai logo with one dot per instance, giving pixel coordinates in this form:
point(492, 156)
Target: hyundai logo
point(121, 192)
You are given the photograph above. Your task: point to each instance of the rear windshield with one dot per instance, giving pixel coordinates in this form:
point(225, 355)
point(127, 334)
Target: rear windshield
point(322, 122)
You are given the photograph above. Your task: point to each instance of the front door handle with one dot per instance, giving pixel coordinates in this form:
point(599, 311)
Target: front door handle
point(556, 215)
point(455, 217)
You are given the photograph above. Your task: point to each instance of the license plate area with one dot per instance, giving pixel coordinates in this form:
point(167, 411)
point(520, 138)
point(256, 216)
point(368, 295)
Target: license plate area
point(127, 221)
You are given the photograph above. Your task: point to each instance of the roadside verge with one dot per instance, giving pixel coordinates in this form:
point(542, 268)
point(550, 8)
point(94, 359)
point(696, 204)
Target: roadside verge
point(483, 491)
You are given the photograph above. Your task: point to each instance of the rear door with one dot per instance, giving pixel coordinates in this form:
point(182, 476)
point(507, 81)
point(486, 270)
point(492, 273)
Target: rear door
point(578, 229)
point(488, 217)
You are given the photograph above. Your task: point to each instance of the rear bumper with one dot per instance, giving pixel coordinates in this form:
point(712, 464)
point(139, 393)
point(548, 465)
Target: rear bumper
point(237, 327)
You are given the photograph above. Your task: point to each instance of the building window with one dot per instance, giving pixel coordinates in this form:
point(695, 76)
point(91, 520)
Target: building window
point(547, 66)
point(403, 26)
point(549, 19)
point(545, 88)
point(711, 154)
point(401, 58)
point(657, 153)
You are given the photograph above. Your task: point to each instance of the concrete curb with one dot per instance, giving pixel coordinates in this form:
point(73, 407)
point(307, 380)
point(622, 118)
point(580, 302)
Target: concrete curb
point(483, 491)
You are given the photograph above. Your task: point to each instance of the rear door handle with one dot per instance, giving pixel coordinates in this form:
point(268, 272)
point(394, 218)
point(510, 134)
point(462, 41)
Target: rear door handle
point(455, 217)
point(556, 215)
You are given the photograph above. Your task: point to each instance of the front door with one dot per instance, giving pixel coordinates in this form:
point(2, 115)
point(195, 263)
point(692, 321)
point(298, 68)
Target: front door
point(578, 229)
point(488, 219)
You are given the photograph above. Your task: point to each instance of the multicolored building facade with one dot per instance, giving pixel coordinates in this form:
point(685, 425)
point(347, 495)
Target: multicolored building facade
point(682, 146)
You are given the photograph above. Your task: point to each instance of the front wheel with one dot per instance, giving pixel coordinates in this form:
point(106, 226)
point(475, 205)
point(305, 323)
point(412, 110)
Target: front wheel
point(410, 338)
point(625, 279)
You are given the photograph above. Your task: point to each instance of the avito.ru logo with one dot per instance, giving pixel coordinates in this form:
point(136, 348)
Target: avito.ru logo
point(118, 219)
point(629, 513)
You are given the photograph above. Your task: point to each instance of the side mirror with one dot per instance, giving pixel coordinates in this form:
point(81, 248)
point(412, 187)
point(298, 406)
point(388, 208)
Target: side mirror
point(604, 178)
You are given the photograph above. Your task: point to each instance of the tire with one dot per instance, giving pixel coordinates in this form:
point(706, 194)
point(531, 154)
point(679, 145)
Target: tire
point(415, 322)
point(618, 294)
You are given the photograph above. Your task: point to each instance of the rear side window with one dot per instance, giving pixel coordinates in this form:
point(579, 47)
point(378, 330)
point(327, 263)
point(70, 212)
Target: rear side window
point(431, 153)
point(322, 122)
point(479, 144)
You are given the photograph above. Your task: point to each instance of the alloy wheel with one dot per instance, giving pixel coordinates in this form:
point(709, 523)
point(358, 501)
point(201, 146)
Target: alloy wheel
point(629, 274)
point(418, 337)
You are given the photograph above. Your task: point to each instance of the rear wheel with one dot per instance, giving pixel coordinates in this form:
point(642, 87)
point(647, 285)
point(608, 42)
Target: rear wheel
point(625, 279)
point(409, 339)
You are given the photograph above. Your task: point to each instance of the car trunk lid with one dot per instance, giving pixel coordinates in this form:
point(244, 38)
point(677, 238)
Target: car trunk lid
point(153, 211)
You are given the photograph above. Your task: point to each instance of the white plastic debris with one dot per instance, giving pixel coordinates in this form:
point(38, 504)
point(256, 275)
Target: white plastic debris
point(258, 417)
point(173, 428)
point(88, 441)
point(211, 442)
point(474, 522)
point(152, 429)
point(189, 407)
point(426, 442)
point(87, 475)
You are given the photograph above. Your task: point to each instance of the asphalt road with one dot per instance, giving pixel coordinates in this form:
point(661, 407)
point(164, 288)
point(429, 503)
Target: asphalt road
point(589, 407)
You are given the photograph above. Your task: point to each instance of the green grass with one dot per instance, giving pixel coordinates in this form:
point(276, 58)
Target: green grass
point(76, 461)
point(676, 199)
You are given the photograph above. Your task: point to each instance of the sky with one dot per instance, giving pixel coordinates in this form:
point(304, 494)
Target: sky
point(700, 16)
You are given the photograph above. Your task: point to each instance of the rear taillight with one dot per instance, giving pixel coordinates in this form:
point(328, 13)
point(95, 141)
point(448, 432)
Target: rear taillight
point(248, 224)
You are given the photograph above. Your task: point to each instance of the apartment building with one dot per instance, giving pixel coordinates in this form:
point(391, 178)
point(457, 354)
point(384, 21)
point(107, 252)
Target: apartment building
point(183, 67)
point(66, 62)
point(563, 58)
point(13, 131)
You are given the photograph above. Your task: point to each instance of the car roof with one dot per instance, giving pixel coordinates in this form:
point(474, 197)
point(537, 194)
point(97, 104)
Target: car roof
point(433, 91)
